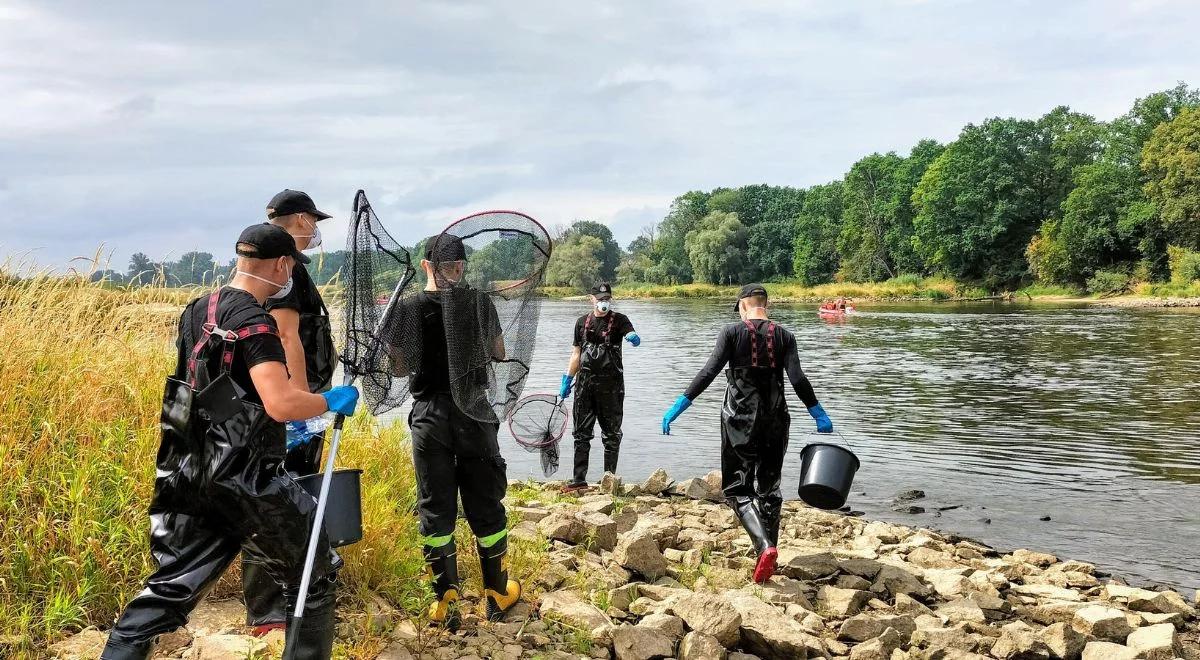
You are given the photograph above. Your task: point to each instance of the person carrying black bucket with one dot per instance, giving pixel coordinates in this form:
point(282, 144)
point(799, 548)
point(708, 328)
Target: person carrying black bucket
point(600, 389)
point(220, 488)
point(754, 417)
point(304, 329)
point(454, 453)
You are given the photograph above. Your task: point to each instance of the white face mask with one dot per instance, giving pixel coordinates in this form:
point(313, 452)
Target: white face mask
point(314, 239)
point(284, 288)
point(603, 306)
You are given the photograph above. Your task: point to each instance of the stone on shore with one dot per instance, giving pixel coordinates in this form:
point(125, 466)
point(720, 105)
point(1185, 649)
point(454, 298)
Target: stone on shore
point(1063, 641)
point(599, 530)
point(571, 608)
point(699, 646)
point(710, 614)
point(1108, 651)
point(1159, 642)
point(641, 643)
point(769, 633)
point(638, 550)
point(841, 602)
point(656, 483)
point(1103, 623)
point(879, 648)
point(610, 484)
point(83, 645)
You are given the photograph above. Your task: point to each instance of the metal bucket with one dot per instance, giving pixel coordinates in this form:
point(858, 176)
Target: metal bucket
point(826, 473)
point(343, 511)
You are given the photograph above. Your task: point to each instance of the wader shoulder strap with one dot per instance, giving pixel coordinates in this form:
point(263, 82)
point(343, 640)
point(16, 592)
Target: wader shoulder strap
point(230, 338)
point(604, 334)
point(754, 342)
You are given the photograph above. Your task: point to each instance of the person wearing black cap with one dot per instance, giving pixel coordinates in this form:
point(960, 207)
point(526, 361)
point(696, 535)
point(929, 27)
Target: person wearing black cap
point(600, 389)
point(754, 417)
point(454, 455)
point(219, 487)
point(305, 331)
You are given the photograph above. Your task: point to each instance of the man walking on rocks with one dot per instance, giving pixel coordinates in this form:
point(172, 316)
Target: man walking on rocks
point(600, 389)
point(754, 417)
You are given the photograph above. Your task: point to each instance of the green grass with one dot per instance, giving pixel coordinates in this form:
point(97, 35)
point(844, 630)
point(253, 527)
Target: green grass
point(905, 287)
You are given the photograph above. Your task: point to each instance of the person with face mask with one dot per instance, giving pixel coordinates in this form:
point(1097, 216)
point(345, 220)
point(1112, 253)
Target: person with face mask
point(305, 331)
point(754, 417)
point(220, 488)
point(455, 456)
point(597, 373)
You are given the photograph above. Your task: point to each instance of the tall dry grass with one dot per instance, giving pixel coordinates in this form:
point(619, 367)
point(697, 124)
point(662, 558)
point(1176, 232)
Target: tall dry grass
point(81, 375)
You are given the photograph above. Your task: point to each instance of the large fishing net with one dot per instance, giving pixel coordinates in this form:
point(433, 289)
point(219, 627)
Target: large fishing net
point(489, 267)
point(382, 349)
point(537, 423)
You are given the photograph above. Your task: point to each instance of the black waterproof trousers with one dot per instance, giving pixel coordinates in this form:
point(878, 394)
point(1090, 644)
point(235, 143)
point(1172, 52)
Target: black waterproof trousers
point(597, 398)
point(455, 455)
point(264, 598)
point(754, 438)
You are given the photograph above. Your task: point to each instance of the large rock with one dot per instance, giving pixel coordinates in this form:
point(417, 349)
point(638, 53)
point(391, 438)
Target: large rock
point(83, 645)
point(1063, 641)
point(895, 581)
point(1019, 641)
point(962, 610)
point(698, 646)
point(930, 558)
point(879, 648)
point(1162, 602)
point(639, 643)
point(569, 606)
point(602, 503)
point(1159, 642)
point(656, 483)
point(599, 530)
point(610, 484)
point(860, 628)
point(956, 638)
point(1108, 651)
point(948, 583)
point(666, 624)
point(806, 566)
point(226, 647)
point(909, 605)
point(623, 596)
point(841, 602)
point(1039, 559)
point(664, 530)
point(694, 488)
point(638, 550)
point(1103, 623)
point(714, 480)
point(710, 614)
point(770, 633)
point(561, 526)
point(531, 514)
point(1053, 611)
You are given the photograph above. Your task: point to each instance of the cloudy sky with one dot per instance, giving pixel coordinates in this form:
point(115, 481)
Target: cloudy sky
point(165, 127)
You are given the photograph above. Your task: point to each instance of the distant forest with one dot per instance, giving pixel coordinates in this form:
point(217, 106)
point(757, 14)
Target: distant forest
point(1063, 199)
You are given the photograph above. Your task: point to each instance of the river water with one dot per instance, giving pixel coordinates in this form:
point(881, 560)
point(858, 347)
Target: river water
point(1008, 413)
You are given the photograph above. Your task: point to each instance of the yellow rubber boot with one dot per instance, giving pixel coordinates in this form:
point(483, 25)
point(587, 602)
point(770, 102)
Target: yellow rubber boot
point(441, 564)
point(501, 592)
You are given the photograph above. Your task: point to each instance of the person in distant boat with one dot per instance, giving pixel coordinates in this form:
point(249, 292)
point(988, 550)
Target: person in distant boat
point(840, 304)
point(600, 389)
point(754, 417)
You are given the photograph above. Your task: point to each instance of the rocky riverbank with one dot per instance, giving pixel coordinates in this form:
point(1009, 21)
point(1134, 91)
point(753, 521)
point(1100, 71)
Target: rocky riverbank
point(661, 570)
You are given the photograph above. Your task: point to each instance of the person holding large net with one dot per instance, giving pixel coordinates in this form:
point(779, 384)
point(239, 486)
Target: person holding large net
point(476, 317)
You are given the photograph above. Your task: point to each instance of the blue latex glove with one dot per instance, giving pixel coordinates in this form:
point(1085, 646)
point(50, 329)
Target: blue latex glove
point(342, 399)
point(634, 339)
point(297, 434)
point(681, 404)
point(564, 390)
point(824, 424)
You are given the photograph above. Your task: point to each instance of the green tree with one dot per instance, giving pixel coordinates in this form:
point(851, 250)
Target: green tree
point(899, 235)
point(717, 248)
point(815, 257)
point(868, 217)
point(671, 263)
point(192, 268)
point(1171, 162)
point(769, 250)
point(610, 254)
point(576, 262)
point(141, 269)
point(635, 267)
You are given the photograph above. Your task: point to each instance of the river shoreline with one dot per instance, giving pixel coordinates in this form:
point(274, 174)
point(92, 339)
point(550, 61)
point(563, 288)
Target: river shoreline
point(661, 569)
point(1125, 301)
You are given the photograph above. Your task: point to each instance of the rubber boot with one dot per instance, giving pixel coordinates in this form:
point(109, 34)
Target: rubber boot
point(754, 525)
point(441, 564)
point(610, 459)
point(313, 639)
point(118, 650)
point(502, 593)
point(771, 514)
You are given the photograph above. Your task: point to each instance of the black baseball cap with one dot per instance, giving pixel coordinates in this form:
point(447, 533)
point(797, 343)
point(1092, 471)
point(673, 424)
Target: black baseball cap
point(602, 291)
point(748, 291)
point(288, 202)
point(445, 247)
point(268, 242)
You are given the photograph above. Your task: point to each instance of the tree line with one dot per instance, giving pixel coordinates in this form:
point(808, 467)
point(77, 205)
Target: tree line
point(203, 269)
point(1062, 199)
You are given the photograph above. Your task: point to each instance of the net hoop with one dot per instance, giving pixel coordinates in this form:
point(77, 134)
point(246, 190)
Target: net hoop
point(551, 436)
point(547, 251)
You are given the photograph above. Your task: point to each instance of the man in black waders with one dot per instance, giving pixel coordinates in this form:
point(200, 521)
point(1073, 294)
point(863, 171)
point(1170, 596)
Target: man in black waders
point(220, 487)
point(754, 417)
point(453, 453)
point(600, 389)
point(304, 329)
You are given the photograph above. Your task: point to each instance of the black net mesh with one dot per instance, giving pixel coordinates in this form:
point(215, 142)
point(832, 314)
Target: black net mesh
point(537, 423)
point(489, 267)
point(378, 272)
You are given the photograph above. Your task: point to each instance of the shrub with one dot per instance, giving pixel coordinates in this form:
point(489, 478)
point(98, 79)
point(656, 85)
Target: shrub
point(1185, 265)
point(1107, 281)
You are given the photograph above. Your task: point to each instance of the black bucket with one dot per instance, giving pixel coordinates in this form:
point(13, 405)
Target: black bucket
point(343, 511)
point(826, 473)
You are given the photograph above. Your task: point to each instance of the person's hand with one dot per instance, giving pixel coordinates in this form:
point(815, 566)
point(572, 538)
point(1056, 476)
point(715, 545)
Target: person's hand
point(297, 434)
point(681, 404)
point(633, 339)
point(824, 424)
point(564, 390)
point(342, 399)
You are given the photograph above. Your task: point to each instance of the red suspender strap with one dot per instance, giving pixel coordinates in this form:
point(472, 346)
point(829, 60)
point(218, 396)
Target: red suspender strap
point(210, 323)
point(232, 338)
point(587, 327)
point(754, 342)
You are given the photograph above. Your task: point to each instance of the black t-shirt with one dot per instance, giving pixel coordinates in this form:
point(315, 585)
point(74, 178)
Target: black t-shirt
point(236, 309)
point(734, 348)
point(599, 331)
point(433, 377)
